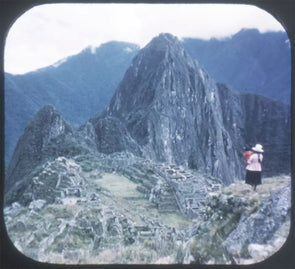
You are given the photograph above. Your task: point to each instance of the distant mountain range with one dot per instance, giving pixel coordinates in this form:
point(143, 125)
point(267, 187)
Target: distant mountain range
point(82, 85)
point(249, 61)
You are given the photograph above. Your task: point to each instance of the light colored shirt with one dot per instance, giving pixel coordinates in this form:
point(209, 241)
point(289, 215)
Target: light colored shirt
point(253, 162)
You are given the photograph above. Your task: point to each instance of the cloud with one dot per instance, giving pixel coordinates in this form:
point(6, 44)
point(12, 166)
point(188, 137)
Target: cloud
point(48, 33)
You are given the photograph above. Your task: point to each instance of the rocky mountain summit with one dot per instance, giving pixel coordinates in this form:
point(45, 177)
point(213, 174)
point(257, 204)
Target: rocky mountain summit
point(168, 103)
point(155, 178)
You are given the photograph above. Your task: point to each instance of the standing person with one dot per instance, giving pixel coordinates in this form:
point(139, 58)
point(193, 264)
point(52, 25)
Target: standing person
point(254, 168)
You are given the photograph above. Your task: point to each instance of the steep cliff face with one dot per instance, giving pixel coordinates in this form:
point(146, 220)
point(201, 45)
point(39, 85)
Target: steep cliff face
point(112, 136)
point(171, 108)
point(251, 119)
point(45, 126)
point(269, 122)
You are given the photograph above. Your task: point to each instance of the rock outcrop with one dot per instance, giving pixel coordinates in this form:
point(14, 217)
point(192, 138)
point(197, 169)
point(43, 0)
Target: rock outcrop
point(269, 122)
point(251, 119)
point(261, 227)
point(46, 125)
point(240, 226)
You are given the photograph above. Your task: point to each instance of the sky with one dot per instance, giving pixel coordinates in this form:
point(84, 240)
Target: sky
point(48, 33)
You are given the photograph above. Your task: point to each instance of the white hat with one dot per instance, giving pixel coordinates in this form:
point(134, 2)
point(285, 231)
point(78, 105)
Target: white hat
point(258, 148)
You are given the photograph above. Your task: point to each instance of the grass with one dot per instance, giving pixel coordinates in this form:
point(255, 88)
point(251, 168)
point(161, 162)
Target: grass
point(125, 197)
point(241, 189)
point(119, 186)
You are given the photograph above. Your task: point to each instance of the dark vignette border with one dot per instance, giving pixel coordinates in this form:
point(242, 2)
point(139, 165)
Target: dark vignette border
point(10, 10)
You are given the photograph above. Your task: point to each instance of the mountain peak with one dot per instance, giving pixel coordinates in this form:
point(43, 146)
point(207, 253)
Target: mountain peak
point(166, 37)
point(164, 41)
point(151, 74)
point(168, 47)
point(47, 109)
point(46, 125)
